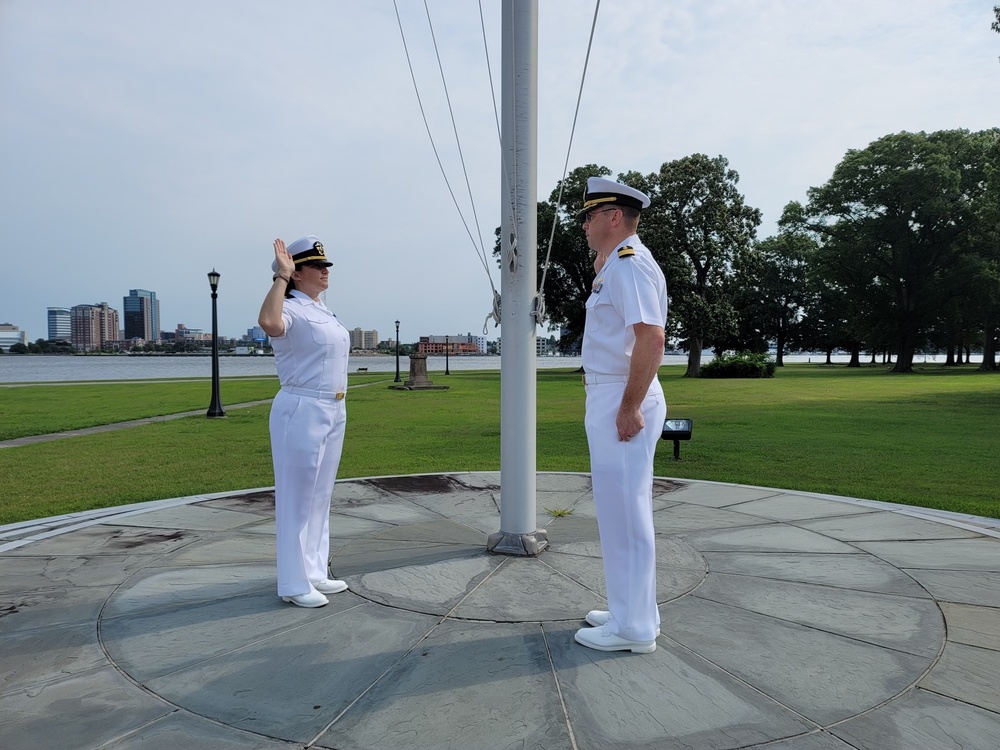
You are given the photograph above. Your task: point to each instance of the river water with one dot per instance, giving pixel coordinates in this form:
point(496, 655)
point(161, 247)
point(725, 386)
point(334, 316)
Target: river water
point(35, 368)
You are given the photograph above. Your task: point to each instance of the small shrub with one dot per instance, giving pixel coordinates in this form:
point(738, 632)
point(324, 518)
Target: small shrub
point(741, 365)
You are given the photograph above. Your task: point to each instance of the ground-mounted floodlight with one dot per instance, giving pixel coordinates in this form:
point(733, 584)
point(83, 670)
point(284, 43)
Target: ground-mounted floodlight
point(677, 430)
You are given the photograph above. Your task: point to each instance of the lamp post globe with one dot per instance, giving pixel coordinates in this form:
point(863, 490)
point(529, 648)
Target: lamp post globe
point(215, 407)
point(397, 352)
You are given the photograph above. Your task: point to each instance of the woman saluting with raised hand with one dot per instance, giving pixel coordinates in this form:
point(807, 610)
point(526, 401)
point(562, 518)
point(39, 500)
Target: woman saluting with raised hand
point(308, 416)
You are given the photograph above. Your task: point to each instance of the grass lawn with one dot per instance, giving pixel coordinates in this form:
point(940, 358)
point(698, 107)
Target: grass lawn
point(925, 439)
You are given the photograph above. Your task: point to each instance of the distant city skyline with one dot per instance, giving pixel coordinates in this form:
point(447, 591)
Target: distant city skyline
point(141, 307)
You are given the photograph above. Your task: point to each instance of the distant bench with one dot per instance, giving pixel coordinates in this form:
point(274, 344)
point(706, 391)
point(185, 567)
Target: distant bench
point(362, 369)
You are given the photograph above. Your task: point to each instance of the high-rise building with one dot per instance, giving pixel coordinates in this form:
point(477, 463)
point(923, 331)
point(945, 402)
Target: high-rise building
point(142, 315)
point(93, 326)
point(60, 324)
point(10, 334)
point(363, 339)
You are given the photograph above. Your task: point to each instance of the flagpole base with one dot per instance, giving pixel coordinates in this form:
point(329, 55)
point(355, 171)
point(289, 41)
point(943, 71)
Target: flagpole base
point(525, 545)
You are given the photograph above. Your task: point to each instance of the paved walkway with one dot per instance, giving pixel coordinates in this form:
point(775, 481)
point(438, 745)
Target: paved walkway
point(790, 621)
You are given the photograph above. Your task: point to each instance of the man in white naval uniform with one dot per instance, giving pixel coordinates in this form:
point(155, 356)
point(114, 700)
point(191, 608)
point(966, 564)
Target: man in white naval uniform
point(308, 417)
point(622, 352)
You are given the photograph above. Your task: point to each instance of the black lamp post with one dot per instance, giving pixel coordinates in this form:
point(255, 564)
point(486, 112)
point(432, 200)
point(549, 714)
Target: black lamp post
point(215, 408)
point(397, 353)
point(446, 348)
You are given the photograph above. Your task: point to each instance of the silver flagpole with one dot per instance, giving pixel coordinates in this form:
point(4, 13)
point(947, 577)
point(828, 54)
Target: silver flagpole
point(518, 534)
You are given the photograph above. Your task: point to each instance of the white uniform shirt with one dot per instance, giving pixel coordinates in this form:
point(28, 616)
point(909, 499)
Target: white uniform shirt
point(312, 352)
point(626, 291)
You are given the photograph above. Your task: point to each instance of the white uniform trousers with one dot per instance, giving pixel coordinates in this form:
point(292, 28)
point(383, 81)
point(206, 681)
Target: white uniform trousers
point(622, 477)
point(307, 439)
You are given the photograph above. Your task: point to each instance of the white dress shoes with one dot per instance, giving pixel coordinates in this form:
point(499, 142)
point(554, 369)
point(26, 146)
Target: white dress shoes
point(312, 599)
point(602, 639)
point(326, 586)
point(599, 617)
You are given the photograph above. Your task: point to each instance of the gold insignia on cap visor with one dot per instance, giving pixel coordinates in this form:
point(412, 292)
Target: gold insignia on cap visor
point(587, 205)
point(316, 253)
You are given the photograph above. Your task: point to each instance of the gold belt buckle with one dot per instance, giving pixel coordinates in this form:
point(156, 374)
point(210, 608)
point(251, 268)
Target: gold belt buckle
point(340, 395)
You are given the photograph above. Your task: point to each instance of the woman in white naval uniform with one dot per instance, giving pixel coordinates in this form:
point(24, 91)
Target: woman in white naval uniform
point(308, 417)
point(622, 352)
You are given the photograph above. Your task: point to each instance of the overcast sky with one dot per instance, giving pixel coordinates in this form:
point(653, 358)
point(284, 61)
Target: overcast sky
point(143, 144)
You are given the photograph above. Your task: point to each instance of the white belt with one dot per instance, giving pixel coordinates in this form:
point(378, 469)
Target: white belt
point(598, 379)
point(328, 395)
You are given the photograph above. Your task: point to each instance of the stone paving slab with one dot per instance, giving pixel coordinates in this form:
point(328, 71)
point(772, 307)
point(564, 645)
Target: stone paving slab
point(478, 510)
point(914, 626)
point(717, 495)
point(884, 526)
point(181, 730)
point(968, 673)
point(23, 571)
point(960, 586)
point(439, 531)
point(823, 676)
point(680, 517)
point(923, 720)
point(35, 658)
point(232, 549)
point(857, 571)
point(292, 687)
point(434, 588)
point(192, 517)
point(771, 538)
point(81, 711)
point(817, 624)
point(465, 681)
point(166, 589)
point(108, 539)
point(973, 626)
point(792, 507)
point(519, 590)
point(815, 741)
point(27, 609)
point(145, 645)
point(980, 553)
point(686, 702)
point(394, 511)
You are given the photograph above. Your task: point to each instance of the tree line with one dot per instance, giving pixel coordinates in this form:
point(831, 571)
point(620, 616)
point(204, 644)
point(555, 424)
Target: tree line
point(897, 253)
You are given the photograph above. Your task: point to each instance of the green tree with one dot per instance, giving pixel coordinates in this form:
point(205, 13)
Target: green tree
point(770, 293)
point(985, 242)
point(696, 227)
point(892, 217)
point(569, 275)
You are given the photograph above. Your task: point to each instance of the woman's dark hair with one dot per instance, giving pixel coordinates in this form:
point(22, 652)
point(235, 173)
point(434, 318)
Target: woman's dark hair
point(289, 287)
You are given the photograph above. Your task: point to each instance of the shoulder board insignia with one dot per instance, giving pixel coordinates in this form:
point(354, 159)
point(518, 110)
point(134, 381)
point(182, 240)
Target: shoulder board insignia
point(625, 252)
